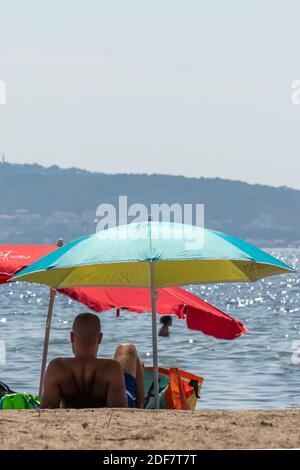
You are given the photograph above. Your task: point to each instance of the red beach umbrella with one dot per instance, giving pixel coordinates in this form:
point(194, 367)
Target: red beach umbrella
point(13, 258)
point(199, 315)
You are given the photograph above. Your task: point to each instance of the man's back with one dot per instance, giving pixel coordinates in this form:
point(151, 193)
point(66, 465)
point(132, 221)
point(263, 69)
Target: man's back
point(84, 383)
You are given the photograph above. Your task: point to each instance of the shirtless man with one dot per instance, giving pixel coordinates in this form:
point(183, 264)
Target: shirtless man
point(84, 381)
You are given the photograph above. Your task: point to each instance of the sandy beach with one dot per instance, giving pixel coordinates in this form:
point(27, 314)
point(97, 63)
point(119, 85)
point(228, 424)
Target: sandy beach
point(138, 429)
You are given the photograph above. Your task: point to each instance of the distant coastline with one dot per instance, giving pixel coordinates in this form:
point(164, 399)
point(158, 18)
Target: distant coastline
point(41, 204)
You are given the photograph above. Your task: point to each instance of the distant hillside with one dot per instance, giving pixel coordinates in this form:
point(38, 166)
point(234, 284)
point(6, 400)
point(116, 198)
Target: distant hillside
point(40, 204)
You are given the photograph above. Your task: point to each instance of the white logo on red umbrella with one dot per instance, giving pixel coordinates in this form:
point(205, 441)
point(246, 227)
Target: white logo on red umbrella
point(12, 255)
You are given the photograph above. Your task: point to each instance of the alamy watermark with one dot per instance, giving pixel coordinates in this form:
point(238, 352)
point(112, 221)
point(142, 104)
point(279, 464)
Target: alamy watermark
point(2, 353)
point(296, 352)
point(2, 92)
point(295, 96)
point(188, 220)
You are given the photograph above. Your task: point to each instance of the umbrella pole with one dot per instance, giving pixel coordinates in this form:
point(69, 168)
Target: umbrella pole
point(46, 339)
point(59, 243)
point(154, 336)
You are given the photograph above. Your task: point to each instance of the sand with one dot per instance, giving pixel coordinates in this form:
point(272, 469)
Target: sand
point(137, 429)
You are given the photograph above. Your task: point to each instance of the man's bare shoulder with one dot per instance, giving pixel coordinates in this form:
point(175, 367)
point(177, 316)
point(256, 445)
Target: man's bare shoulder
point(59, 363)
point(56, 369)
point(105, 367)
point(109, 366)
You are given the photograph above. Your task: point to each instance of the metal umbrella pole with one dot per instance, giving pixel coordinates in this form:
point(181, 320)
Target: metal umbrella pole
point(154, 319)
point(154, 336)
point(59, 243)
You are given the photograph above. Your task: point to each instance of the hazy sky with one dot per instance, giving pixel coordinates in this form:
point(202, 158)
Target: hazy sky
point(199, 88)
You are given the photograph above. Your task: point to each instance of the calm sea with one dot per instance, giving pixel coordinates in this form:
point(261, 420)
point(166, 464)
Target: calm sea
point(259, 370)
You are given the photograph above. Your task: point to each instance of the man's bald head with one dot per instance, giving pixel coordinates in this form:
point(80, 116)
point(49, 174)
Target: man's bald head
point(87, 329)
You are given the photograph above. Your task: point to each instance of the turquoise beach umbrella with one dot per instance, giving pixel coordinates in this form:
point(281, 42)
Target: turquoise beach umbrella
point(153, 254)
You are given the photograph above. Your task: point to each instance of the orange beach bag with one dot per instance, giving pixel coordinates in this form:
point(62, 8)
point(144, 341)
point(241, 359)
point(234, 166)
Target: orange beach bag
point(178, 389)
